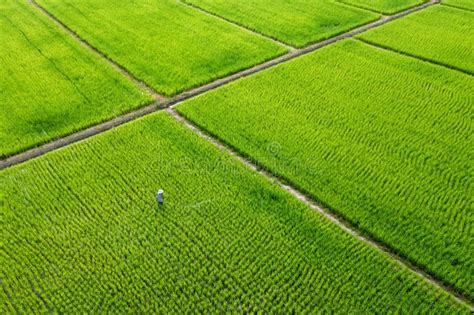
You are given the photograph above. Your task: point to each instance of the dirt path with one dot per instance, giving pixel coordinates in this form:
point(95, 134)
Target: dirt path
point(327, 213)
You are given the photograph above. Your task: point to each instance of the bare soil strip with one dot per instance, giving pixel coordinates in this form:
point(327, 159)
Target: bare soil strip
point(162, 102)
point(114, 65)
point(327, 213)
point(242, 27)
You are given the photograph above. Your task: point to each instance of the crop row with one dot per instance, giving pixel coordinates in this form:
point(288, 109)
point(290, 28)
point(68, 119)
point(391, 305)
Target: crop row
point(381, 138)
point(82, 232)
point(166, 44)
point(49, 84)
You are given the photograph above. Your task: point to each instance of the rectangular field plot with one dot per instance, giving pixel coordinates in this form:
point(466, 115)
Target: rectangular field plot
point(463, 4)
point(383, 139)
point(50, 85)
point(384, 6)
point(440, 34)
point(82, 233)
point(167, 44)
point(297, 22)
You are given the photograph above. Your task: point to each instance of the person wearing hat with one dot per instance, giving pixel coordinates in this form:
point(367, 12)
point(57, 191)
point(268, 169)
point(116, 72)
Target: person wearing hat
point(159, 197)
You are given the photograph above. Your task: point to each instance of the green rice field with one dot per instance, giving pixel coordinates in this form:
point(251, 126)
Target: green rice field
point(50, 85)
point(297, 23)
point(166, 44)
point(88, 229)
point(384, 6)
point(439, 34)
point(463, 4)
point(236, 157)
point(397, 167)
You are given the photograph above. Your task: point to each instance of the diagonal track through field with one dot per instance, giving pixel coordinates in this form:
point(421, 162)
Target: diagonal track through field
point(162, 102)
point(167, 104)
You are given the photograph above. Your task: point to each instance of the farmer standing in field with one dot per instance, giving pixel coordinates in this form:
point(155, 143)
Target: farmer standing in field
point(159, 197)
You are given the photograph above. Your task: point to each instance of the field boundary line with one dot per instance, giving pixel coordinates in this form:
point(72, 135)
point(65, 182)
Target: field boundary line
point(240, 26)
point(351, 5)
point(457, 7)
point(420, 58)
point(326, 212)
point(169, 102)
point(380, 12)
point(117, 67)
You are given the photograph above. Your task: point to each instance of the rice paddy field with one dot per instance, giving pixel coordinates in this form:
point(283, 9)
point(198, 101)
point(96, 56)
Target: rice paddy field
point(51, 86)
point(98, 237)
point(297, 23)
point(364, 148)
point(315, 156)
point(439, 34)
point(463, 4)
point(166, 44)
point(384, 6)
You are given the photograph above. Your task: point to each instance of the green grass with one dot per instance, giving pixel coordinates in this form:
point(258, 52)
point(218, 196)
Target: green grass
point(439, 34)
point(49, 85)
point(168, 45)
point(81, 230)
point(296, 22)
point(464, 4)
point(383, 139)
point(384, 6)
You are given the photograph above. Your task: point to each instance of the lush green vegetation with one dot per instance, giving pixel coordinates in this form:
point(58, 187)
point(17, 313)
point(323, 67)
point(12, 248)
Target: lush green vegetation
point(82, 233)
point(381, 138)
point(165, 43)
point(464, 4)
point(384, 6)
point(296, 22)
point(49, 84)
point(441, 34)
